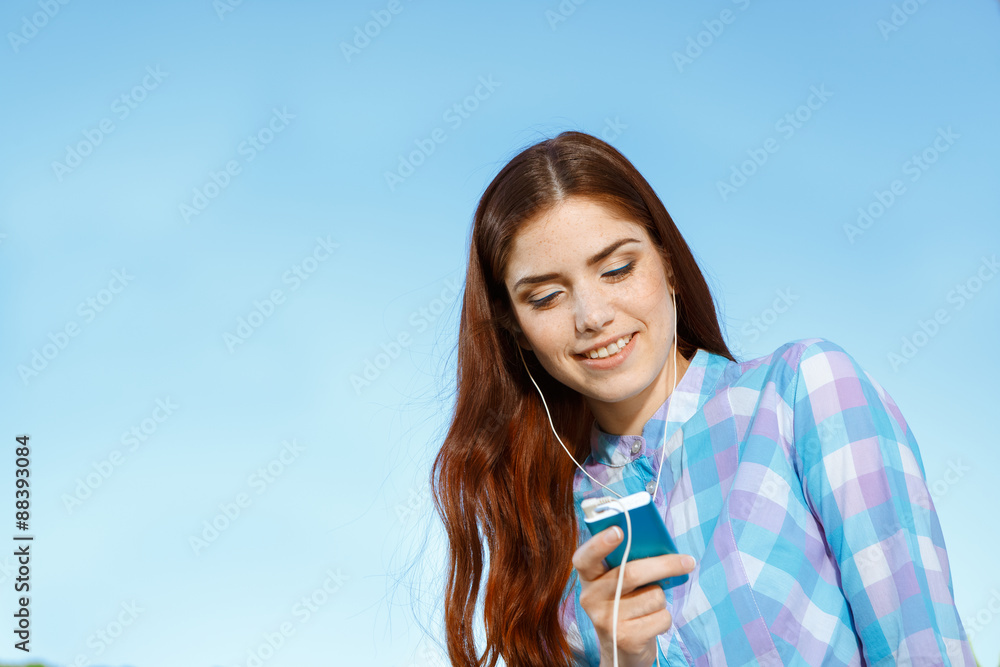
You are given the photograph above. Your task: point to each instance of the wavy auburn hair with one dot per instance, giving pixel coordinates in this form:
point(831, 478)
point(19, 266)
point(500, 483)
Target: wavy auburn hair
point(501, 478)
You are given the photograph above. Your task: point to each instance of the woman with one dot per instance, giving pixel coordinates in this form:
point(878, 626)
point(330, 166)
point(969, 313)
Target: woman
point(792, 486)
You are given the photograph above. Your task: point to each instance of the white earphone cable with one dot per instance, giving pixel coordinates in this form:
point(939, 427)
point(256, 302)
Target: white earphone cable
point(628, 521)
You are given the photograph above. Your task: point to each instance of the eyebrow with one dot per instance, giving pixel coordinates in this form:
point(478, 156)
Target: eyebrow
point(534, 280)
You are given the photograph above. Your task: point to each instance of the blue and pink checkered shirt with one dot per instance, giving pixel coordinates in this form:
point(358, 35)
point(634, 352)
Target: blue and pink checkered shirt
point(798, 487)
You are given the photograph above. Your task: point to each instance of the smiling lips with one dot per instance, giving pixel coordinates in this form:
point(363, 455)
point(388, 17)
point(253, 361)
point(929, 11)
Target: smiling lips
point(609, 351)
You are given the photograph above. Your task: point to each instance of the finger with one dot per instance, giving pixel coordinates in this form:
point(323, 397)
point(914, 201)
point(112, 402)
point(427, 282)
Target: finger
point(646, 627)
point(642, 601)
point(588, 559)
point(634, 634)
point(645, 601)
point(643, 571)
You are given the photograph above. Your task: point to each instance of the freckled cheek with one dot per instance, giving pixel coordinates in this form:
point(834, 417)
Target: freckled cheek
point(556, 340)
point(645, 293)
point(545, 339)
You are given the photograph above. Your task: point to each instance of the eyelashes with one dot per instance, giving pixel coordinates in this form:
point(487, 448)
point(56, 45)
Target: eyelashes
point(616, 275)
point(624, 271)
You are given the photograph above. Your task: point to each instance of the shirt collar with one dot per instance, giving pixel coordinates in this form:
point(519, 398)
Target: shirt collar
point(693, 389)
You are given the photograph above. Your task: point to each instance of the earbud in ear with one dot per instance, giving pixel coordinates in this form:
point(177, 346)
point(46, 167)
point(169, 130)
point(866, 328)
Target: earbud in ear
point(519, 336)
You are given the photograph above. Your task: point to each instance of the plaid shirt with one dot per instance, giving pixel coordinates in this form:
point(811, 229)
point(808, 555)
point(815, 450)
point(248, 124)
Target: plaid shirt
point(797, 486)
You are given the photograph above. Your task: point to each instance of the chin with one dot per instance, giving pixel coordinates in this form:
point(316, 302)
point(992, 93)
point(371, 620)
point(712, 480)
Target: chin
point(616, 394)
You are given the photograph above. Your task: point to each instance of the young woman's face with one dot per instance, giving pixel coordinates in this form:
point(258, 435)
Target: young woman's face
point(580, 278)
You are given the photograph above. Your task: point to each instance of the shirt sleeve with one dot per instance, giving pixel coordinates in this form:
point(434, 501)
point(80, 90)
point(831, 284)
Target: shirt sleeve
point(572, 616)
point(864, 480)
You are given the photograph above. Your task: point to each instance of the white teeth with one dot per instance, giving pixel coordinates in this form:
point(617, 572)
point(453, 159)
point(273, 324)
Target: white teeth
point(610, 350)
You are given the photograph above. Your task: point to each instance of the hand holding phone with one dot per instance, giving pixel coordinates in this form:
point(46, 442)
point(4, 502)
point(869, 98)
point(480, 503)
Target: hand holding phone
point(649, 533)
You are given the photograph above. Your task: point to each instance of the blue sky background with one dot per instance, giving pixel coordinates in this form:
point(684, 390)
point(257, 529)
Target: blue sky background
point(345, 522)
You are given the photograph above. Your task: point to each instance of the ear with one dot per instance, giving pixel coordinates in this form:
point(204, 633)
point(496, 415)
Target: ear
point(522, 340)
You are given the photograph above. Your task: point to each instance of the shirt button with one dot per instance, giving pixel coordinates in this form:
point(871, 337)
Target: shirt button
point(636, 447)
point(650, 487)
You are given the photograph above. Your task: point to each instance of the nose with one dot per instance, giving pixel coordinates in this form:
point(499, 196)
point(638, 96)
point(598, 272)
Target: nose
point(593, 311)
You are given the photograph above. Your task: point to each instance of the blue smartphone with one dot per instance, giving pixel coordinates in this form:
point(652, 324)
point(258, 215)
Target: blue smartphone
point(649, 534)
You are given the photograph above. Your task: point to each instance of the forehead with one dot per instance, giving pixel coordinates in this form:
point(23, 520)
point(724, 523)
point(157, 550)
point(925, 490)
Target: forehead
point(568, 234)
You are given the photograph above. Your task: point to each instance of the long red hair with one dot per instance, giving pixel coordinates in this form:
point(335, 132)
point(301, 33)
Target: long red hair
point(501, 478)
